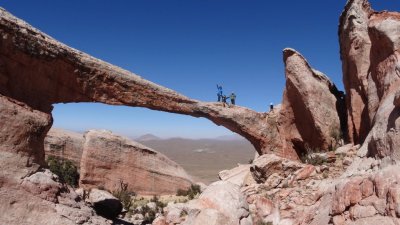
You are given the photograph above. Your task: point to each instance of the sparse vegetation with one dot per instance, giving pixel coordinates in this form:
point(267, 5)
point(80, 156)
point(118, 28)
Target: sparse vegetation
point(124, 195)
point(149, 212)
point(325, 174)
point(64, 169)
point(191, 192)
point(337, 137)
point(159, 204)
point(310, 158)
point(264, 223)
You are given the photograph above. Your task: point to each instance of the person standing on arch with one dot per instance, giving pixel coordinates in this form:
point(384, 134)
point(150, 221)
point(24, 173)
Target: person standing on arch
point(224, 98)
point(219, 92)
point(233, 98)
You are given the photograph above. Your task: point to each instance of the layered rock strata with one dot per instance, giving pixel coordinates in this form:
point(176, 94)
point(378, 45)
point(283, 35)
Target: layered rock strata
point(64, 144)
point(108, 160)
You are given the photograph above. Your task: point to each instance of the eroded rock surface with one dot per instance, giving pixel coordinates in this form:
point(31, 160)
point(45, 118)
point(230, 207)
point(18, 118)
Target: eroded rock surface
point(221, 203)
point(370, 51)
point(64, 144)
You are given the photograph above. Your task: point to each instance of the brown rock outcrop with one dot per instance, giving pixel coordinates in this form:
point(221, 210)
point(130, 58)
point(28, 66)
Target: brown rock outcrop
point(370, 51)
point(108, 159)
point(313, 111)
point(64, 144)
point(355, 46)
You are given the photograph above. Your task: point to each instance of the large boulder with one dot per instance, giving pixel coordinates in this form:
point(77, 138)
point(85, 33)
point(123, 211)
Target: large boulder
point(108, 160)
point(105, 203)
point(235, 175)
point(307, 124)
point(222, 203)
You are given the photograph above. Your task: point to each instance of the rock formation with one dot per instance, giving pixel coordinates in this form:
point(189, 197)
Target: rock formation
point(64, 144)
point(306, 122)
point(36, 71)
point(105, 159)
point(355, 46)
point(221, 203)
point(370, 51)
point(34, 64)
point(108, 159)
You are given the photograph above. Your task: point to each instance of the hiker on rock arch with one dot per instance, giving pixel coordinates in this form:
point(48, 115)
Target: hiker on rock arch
point(271, 106)
point(219, 93)
point(233, 98)
point(224, 98)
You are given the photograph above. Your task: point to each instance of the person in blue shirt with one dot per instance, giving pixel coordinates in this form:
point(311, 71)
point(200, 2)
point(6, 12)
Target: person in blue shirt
point(219, 93)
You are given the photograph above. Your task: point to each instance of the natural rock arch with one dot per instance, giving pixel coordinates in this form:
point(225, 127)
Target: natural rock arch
point(39, 71)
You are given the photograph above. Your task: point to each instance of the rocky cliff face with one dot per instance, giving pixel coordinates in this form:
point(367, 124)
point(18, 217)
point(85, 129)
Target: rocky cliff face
point(108, 159)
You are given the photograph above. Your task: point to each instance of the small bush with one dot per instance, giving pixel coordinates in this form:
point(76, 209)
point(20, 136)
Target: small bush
point(264, 223)
point(124, 195)
point(310, 158)
point(64, 169)
point(191, 192)
point(159, 204)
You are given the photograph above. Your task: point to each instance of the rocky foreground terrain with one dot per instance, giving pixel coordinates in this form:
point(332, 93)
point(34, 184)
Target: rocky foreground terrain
point(303, 174)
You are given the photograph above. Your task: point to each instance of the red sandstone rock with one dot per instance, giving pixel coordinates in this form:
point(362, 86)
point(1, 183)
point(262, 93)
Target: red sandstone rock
point(347, 194)
point(64, 144)
point(370, 52)
point(22, 131)
point(355, 46)
point(305, 173)
point(43, 184)
point(108, 159)
point(315, 121)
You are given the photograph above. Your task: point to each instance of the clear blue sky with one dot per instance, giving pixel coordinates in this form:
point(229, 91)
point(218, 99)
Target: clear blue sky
point(190, 46)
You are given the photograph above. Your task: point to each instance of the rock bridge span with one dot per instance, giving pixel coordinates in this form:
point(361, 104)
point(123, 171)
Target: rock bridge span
point(38, 71)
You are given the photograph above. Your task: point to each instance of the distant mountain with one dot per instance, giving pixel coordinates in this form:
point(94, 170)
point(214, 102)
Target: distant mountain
point(233, 137)
point(147, 137)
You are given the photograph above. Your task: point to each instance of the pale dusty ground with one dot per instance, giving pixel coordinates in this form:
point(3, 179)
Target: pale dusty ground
point(204, 158)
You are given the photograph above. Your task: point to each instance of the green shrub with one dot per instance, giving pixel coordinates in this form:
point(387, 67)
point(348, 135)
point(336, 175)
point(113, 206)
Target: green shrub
point(64, 169)
point(191, 192)
point(124, 195)
point(310, 158)
point(159, 204)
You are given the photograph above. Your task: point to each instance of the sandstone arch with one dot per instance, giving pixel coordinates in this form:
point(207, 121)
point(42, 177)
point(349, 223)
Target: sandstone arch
point(38, 71)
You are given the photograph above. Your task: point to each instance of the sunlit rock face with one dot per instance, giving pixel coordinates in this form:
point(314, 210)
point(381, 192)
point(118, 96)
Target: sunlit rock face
point(108, 159)
point(369, 43)
point(64, 144)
